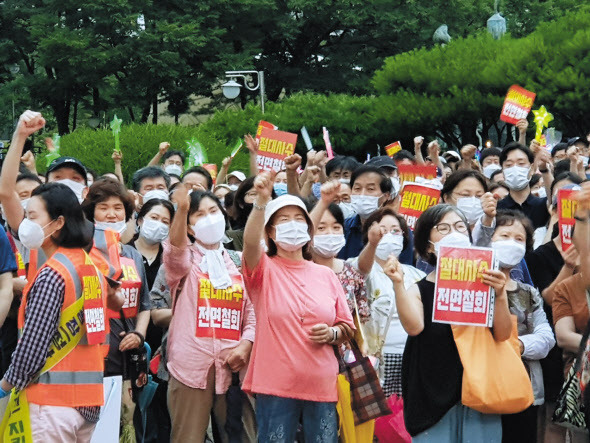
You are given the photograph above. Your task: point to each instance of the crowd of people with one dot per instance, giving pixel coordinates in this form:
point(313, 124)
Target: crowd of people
point(235, 293)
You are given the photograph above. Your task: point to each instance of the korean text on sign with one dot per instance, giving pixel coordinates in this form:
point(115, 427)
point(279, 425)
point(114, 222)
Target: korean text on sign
point(219, 311)
point(517, 105)
point(566, 209)
point(460, 295)
point(273, 148)
point(408, 173)
point(393, 148)
point(415, 199)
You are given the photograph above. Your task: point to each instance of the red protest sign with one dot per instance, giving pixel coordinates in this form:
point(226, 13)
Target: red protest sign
point(263, 125)
point(415, 199)
point(393, 148)
point(566, 209)
point(517, 105)
point(94, 313)
point(460, 296)
point(273, 148)
point(219, 311)
point(408, 173)
point(212, 168)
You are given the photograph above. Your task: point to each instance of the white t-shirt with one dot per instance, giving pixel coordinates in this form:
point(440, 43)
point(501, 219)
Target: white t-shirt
point(382, 300)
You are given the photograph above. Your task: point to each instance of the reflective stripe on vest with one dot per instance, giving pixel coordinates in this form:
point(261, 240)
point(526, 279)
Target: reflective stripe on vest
point(37, 259)
point(70, 378)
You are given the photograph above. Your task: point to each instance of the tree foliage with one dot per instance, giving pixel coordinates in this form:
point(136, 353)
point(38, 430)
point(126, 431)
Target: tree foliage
point(457, 87)
point(83, 58)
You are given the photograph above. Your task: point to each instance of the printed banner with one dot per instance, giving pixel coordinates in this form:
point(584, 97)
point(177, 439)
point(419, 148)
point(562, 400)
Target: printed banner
point(393, 148)
point(263, 125)
point(415, 199)
point(273, 148)
point(517, 105)
point(408, 173)
point(94, 312)
point(566, 209)
point(130, 288)
point(219, 311)
point(460, 296)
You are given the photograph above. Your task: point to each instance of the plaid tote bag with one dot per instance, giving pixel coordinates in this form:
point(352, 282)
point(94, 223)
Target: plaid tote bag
point(367, 398)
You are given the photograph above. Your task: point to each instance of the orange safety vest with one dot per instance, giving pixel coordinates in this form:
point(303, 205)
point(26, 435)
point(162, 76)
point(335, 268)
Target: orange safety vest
point(36, 260)
point(77, 380)
point(105, 253)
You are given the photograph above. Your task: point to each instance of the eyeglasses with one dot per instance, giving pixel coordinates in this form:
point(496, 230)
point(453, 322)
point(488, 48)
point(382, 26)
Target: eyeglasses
point(251, 194)
point(445, 228)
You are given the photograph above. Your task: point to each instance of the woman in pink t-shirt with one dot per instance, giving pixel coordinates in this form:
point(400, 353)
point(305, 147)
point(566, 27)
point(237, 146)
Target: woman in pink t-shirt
point(301, 313)
point(213, 322)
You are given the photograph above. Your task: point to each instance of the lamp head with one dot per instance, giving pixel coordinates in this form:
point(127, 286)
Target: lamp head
point(231, 89)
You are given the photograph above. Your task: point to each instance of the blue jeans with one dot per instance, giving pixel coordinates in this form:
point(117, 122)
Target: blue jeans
point(278, 418)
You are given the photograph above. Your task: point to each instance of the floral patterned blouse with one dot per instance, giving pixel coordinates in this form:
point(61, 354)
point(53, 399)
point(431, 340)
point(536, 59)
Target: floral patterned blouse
point(353, 283)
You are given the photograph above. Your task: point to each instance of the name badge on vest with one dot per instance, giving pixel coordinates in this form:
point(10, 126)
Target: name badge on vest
point(219, 311)
point(94, 315)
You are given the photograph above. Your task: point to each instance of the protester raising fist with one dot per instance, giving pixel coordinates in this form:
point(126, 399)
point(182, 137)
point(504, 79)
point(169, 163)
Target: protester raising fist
point(29, 123)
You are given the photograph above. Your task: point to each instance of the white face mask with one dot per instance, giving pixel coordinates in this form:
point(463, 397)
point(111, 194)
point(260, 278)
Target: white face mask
point(173, 169)
point(509, 253)
point(585, 161)
point(364, 205)
point(471, 207)
point(31, 234)
point(390, 244)
point(292, 235)
point(209, 230)
point(155, 193)
point(344, 181)
point(328, 245)
point(118, 227)
point(490, 169)
point(153, 231)
point(24, 203)
point(396, 185)
point(453, 239)
point(347, 209)
point(77, 188)
point(540, 192)
point(516, 177)
point(233, 187)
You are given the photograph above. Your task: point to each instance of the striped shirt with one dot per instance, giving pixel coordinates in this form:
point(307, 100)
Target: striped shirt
point(42, 314)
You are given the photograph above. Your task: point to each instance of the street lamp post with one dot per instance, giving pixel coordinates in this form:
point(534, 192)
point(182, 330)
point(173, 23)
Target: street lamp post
point(231, 89)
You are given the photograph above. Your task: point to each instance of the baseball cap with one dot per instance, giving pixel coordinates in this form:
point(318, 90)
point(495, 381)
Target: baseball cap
point(452, 154)
point(67, 162)
point(382, 161)
point(237, 174)
point(282, 201)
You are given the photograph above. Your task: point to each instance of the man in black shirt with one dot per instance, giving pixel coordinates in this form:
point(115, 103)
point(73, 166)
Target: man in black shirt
point(517, 161)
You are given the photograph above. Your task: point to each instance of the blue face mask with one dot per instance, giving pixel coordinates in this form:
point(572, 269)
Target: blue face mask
point(280, 189)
